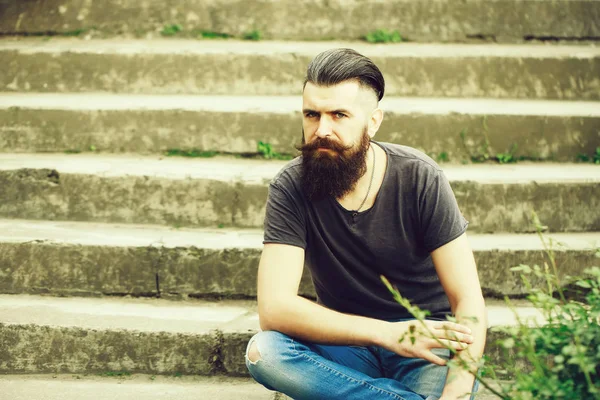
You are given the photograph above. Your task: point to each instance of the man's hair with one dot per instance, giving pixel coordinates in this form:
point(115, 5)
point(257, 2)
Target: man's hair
point(338, 65)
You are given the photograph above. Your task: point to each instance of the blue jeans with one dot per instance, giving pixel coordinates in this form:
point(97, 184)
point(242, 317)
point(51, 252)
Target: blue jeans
point(303, 370)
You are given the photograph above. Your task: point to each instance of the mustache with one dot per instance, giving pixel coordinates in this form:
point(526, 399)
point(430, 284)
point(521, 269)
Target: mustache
point(323, 143)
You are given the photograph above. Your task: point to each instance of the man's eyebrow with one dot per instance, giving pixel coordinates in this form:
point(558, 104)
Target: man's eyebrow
point(340, 110)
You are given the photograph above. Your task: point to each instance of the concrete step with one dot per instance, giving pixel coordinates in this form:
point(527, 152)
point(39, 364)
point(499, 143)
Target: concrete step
point(446, 20)
point(146, 124)
point(225, 191)
point(93, 259)
point(161, 66)
point(138, 386)
point(149, 336)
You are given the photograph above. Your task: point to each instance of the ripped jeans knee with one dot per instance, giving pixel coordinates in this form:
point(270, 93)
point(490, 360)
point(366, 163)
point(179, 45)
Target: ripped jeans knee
point(262, 356)
point(252, 353)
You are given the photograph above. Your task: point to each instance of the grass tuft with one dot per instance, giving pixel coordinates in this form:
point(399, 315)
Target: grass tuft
point(171, 30)
point(194, 153)
point(383, 36)
point(255, 35)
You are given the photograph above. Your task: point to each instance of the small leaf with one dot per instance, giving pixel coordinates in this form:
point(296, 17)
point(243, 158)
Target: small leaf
point(526, 269)
point(584, 284)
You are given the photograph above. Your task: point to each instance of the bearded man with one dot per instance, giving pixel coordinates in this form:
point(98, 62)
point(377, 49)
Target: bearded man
point(352, 210)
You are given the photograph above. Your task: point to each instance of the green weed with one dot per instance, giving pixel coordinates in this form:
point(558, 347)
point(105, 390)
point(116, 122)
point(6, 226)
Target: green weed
point(594, 158)
point(583, 158)
point(253, 35)
point(194, 153)
point(482, 152)
point(171, 30)
point(506, 158)
point(265, 150)
point(211, 35)
point(92, 149)
point(443, 157)
point(439, 157)
point(383, 36)
point(561, 354)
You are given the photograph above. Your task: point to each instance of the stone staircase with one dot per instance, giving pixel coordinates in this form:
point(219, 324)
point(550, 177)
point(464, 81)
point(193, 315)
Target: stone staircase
point(116, 259)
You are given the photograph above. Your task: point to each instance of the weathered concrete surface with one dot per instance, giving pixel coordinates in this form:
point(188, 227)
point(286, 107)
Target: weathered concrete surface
point(441, 20)
point(145, 315)
point(41, 335)
point(232, 192)
point(45, 335)
point(144, 387)
point(266, 68)
point(43, 349)
point(146, 124)
point(507, 208)
point(67, 258)
point(45, 194)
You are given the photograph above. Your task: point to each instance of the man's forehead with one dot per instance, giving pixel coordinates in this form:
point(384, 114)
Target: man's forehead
point(343, 95)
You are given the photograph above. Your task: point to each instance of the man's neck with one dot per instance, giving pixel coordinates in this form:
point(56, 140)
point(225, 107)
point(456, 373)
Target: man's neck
point(353, 199)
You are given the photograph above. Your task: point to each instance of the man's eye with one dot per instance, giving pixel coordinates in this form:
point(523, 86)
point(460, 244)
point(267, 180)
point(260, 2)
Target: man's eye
point(339, 115)
point(310, 115)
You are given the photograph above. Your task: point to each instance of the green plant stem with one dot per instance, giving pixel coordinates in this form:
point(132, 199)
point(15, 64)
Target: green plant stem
point(550, 252)
point(419, 317)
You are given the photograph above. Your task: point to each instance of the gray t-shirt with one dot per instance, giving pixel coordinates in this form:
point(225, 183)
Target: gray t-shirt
point(415, 212)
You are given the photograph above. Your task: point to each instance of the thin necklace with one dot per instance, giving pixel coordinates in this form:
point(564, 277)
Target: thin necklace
point(355, 212)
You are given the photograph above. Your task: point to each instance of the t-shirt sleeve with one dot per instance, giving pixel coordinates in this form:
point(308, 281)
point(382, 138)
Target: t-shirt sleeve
point(285, 221)
point(440, 218)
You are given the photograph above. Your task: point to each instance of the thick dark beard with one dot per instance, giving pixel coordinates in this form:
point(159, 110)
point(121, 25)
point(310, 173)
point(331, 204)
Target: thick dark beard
point(336, 173)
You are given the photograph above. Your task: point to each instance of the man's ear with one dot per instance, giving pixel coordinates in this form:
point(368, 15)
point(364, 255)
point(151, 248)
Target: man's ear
point(375, 121)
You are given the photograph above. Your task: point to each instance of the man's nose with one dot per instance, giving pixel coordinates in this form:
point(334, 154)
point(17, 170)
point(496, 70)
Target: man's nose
point(324, 129)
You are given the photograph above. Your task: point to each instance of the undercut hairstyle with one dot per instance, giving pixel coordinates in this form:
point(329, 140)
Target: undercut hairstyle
point(338, 65)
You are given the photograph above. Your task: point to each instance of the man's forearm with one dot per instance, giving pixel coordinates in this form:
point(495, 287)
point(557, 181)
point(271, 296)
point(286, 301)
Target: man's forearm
point(304, 319)
point(459, 380)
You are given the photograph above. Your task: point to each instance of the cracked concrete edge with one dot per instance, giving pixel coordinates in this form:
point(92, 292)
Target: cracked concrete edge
point(42, 194)
point(32, 349)
point(196, 202)
point(558, 138)
point(419, 21)
point(44, 349)
point(77, 270)
point(282, 74)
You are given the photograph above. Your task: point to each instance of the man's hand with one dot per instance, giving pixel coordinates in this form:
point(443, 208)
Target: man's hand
point(450, 335)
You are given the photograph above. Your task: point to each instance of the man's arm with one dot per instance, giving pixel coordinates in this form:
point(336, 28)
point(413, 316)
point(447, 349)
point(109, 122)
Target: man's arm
point(455, 265)
point(281, 309)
